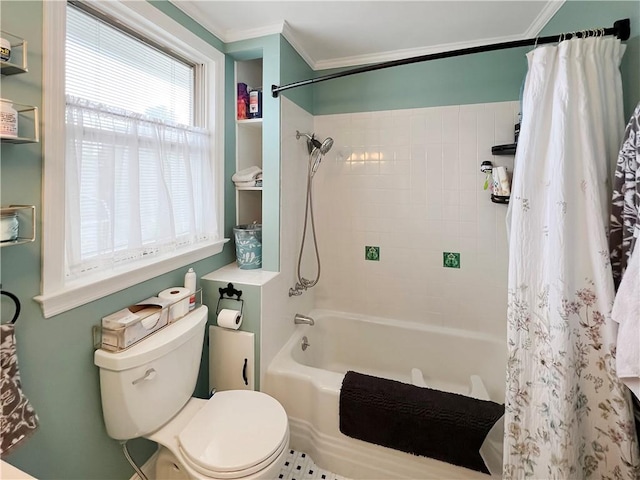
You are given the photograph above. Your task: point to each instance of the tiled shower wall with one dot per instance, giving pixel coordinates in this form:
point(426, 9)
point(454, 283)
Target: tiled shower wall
point(409, 182)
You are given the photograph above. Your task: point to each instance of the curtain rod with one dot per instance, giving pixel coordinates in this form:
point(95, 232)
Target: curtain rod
point(621, 29)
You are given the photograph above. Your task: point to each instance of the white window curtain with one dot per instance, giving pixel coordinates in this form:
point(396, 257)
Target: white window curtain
point(136, 187)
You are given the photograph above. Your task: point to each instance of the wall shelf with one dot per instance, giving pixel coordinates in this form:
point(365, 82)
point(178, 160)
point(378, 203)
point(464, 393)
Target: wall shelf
point(250, 122)
point(28, 120)
point(248, 145)
point(500, 199)
point(7, 68)
point(507, 149)
point(18, 61)
point(26, 216)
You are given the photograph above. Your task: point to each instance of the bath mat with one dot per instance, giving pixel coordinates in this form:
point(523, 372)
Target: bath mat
point(421, 421)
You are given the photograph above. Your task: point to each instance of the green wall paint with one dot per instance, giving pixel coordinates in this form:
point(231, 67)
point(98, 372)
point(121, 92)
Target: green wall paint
point(294, 68)
point(56, 355)
point(479, 78)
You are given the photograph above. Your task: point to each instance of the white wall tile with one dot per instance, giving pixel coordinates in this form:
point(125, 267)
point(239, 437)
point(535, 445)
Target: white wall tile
point(450, 124)
point(408, 181)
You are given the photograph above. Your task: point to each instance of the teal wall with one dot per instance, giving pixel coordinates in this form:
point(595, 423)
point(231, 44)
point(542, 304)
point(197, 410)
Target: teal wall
point(479, 78)
point(294, 68)
point(56, 354)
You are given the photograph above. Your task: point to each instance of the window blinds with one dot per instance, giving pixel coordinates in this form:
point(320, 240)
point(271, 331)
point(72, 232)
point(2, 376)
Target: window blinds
point(108, 66)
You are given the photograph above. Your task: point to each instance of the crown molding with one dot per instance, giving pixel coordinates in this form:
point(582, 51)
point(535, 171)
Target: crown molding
point(543, 18)
point(290, 36)
point(197, 15)
point(237, 35)
point(408, 53)
point(226, 36)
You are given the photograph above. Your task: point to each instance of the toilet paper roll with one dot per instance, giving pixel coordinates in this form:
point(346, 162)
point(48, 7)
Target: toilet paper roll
point(228, 318)
point(179, 298)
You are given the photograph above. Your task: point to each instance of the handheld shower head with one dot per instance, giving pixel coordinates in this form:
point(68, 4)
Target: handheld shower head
point(316, 149)
point(313, 142)
point(326, 145)
point(316, 158)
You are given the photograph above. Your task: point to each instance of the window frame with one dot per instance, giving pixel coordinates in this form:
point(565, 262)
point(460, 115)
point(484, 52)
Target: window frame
point(58, 294)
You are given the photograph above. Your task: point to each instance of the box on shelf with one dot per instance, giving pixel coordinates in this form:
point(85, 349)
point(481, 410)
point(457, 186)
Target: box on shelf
point(130, 325)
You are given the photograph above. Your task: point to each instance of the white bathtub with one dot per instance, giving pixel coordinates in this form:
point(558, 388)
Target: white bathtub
point(308, 385)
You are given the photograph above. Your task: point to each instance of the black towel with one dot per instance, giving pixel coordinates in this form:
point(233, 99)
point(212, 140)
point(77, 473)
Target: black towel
point(417, 420)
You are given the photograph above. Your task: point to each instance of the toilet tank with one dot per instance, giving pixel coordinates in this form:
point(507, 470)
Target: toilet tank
point(143, 387)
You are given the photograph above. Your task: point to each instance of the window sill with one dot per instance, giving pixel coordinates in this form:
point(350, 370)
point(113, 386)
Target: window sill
point(87, 290)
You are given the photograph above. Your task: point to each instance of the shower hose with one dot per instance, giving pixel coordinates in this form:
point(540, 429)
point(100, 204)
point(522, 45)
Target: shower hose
point(304, 283)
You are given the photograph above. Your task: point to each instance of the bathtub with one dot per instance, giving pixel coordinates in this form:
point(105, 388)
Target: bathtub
point(308, 382)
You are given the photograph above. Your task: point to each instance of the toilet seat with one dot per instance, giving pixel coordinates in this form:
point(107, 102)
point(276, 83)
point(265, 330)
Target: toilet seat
point(236, 433)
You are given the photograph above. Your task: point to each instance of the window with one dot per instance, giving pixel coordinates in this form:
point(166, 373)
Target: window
point(139, 112)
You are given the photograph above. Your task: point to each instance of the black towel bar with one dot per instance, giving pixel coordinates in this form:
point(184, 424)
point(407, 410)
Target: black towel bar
point(16, 302)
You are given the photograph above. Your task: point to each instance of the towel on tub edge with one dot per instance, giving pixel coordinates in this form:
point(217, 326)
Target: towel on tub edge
point(422, 421)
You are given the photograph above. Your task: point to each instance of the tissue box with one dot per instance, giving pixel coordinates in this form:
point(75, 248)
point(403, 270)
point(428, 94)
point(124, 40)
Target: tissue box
point(130, 325)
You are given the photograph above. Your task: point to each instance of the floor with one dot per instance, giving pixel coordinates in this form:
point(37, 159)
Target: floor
point(300, 466)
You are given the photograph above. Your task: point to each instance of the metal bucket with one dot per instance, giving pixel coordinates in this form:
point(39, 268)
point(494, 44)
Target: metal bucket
point(248, 246)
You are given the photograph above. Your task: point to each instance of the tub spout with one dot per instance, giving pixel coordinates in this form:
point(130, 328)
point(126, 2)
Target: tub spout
point(300, 319)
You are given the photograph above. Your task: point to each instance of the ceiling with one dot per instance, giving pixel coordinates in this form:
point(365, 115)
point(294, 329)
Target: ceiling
point(330, 34)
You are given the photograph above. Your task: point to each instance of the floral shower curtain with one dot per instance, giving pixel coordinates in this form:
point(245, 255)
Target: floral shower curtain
point(567, 416)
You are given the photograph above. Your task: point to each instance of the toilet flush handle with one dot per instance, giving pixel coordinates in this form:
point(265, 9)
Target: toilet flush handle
point(148, 375)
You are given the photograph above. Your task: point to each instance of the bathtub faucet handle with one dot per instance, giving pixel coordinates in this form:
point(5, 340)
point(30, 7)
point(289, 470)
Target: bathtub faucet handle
point(300, 319)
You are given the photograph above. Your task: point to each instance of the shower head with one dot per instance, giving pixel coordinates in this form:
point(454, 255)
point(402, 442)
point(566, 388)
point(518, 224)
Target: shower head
point(313, 143)
point(316, 158)
point(326, 145)
point(316, 149)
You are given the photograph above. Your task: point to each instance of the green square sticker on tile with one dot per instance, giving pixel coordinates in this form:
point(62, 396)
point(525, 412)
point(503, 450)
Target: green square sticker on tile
point(372, 253)
point(451, 259)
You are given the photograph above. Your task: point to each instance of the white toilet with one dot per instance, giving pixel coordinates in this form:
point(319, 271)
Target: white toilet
point(146, 392)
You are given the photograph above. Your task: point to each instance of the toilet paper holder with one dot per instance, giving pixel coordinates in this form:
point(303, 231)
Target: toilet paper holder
point(230, 292)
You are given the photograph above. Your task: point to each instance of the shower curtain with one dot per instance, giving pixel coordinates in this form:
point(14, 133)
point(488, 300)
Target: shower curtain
point(567, 416)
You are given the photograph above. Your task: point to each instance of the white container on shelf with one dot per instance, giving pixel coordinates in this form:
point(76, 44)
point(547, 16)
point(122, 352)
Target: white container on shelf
point(8, 119)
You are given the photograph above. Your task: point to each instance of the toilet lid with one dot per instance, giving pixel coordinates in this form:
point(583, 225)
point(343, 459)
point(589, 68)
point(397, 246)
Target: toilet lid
point(235, 431)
